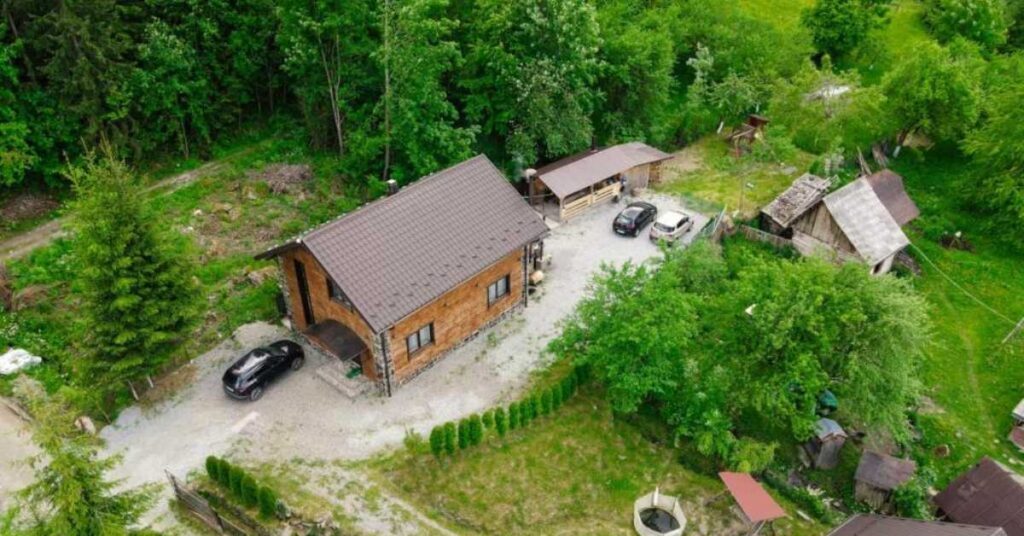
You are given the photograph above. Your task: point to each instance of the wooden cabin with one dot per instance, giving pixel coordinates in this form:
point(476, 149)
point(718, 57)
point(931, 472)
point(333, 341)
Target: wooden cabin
point(878, 475)
point(398, 283)
point(565, 189)
point(860, 222)
point(875, 525)
point(988, 494)
point(823, 448)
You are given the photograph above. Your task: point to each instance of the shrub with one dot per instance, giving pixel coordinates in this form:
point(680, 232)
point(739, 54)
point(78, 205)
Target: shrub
point(500, 422)
point(567, 387)
point(535, 408)
point(449, 437)
point(488, 419)
point(514, 416)
point(268, 502)
point(235, 476)
point(437, 441)
point(250, 492)
point(463, 434)
point(213, 468)
point(476, 429)
point(546, 402)
point(525, 413)
point(556, 397)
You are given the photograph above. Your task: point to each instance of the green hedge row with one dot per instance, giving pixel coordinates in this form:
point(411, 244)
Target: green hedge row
point(450, 437)
point(243, 486)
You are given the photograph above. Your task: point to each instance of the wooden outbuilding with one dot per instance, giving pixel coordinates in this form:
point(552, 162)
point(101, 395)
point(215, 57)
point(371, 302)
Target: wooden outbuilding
point(823, 448)
point(878, 475)
point(568, 187)
point(804, 194)
point(875, 525)
point(398, 283)
point(988, 494)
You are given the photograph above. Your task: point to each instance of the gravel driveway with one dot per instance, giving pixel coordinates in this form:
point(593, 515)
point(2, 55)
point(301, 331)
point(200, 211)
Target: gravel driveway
point(302, 416)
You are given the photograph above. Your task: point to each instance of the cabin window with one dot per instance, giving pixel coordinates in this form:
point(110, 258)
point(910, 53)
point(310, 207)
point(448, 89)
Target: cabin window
point(422, 337)
point(497, 290)
point(334, 291)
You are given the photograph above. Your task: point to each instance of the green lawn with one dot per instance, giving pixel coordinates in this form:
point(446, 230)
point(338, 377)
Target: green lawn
point(902, 35)
point(973, 379)
point(576, 471)
point(717, 181)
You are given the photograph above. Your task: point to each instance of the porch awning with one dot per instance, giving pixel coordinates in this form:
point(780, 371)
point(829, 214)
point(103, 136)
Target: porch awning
point(337, 339)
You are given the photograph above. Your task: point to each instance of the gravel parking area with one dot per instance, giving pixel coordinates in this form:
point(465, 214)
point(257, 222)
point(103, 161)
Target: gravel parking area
point(15, 448)
point(301, 416)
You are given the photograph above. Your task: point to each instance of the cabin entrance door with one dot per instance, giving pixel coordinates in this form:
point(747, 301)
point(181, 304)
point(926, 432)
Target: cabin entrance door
point(307, 306)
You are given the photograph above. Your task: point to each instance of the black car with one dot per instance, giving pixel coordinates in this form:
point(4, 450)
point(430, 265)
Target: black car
point(634, 218)
point(248, 377)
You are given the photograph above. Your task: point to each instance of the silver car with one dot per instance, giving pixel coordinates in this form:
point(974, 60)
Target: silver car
point(670, 226)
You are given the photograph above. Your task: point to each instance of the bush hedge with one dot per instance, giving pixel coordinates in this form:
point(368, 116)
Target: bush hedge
point(470, 431)
point(242, 486)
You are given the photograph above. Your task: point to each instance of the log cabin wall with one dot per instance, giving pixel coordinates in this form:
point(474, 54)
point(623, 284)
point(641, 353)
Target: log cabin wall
point(324, 307)
point(457, 315)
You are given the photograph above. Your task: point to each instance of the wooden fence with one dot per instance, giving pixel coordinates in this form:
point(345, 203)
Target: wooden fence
point(768, 238)
point(200, 508)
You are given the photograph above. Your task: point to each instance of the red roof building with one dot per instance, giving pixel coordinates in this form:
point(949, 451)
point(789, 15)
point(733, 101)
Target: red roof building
point(758, 507)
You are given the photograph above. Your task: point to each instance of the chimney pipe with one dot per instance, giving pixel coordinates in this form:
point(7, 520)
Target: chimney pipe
point(392, 187)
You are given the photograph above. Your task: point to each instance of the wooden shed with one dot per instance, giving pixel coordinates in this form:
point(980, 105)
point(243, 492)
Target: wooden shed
point(805, 193)
point(566, 188)
point(878, 475)
point(824, 446)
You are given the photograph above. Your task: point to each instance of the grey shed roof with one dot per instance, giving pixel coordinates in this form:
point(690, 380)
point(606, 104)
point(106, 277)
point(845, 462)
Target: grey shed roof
point(579, 171)
point(866, 221)
point(875, 525)
point(826, 428)
point(804, 193)
point(888, 186)
point(399, 253)
point(884, 472)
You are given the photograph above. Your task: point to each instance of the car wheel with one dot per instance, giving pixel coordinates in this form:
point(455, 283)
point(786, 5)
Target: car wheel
point(256, 394)
point(297, 363)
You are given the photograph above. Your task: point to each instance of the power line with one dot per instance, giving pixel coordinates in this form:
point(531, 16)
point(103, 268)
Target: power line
point(962, 289)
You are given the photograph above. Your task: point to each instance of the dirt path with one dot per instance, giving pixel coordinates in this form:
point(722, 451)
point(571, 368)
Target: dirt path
point(22, 244)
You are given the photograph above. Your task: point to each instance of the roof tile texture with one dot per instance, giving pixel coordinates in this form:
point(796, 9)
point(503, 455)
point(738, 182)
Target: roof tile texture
point(401, 252)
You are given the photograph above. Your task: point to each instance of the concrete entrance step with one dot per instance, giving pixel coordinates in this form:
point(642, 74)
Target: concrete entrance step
point(335, 373)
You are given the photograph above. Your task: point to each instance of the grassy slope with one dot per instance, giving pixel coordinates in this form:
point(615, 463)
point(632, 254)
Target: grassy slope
point(576, 471)
point(972, 377)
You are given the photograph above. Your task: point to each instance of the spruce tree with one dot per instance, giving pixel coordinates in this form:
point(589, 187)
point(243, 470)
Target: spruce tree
point(476, 429)
point(71, 493)
point(514, 416)
point(449, 438)
point(136, 281)
point(463, 434)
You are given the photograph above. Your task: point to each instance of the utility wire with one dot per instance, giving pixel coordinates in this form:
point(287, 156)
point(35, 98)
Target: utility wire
point(962, 289)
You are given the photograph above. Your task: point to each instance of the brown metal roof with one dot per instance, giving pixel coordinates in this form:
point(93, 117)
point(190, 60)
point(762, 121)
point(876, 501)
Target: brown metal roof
point(397, 254)
point(988, 494)
point(874, 525)
point(888, 186)
point(576, 172)
point(804, 193)
point(883, 471)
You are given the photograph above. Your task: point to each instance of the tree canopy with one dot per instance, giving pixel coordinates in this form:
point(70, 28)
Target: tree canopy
point(736, 350)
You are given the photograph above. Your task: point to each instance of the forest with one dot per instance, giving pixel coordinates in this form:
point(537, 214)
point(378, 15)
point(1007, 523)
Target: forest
point(400, 88)
point(106, 104)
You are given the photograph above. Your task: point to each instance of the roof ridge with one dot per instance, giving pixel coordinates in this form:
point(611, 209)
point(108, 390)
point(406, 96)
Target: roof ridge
point(403, 190)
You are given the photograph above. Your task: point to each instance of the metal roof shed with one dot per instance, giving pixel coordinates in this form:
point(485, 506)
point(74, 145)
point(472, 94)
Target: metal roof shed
point(874, 525)
point(592, 177)
point(757, 506)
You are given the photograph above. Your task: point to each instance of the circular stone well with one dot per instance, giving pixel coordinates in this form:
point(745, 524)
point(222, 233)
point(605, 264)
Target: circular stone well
point(655, 514)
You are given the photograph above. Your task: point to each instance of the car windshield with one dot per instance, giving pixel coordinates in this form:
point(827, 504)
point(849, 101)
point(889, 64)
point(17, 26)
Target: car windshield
point(664, 228)
point(630, 214)
point(251, 362)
